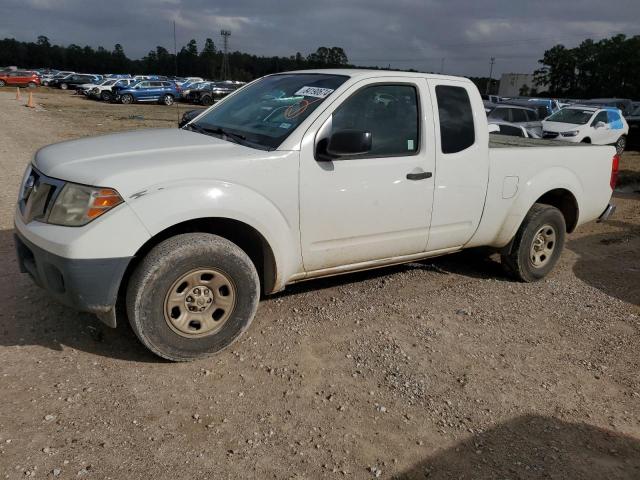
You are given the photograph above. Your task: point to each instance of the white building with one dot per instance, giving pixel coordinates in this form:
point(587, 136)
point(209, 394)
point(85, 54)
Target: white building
point(511, 84)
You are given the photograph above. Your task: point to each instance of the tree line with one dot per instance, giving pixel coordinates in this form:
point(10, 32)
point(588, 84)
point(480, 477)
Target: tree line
point(606, 68)
point(189, 61)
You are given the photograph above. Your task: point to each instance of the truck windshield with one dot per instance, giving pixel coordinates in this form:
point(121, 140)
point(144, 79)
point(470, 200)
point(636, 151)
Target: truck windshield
point(263, 114)
point(571, 115)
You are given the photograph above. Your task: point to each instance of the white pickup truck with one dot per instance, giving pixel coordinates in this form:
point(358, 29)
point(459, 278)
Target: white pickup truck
point(294, 176)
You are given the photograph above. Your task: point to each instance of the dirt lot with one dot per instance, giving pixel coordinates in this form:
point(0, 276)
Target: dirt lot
point(439, 369)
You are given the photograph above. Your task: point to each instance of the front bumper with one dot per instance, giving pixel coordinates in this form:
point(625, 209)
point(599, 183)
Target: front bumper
point(87, 285)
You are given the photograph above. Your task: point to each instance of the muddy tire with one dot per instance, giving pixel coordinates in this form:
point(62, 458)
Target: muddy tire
point(538, 244)
point(191, 296)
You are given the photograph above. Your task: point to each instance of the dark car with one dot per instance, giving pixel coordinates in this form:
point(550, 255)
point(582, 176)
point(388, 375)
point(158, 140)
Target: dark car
point(623, 104)
point(211, 92)
point(73, 81)
point(633, 119)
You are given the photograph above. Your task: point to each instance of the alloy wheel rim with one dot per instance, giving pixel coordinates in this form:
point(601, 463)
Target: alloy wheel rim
point(542, 246)
point(200, 302)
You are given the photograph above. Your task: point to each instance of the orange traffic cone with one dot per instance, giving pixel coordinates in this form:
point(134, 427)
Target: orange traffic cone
point(30, 103)
point(18, 95)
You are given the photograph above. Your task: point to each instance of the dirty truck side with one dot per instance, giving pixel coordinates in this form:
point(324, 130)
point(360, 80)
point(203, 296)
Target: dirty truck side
point(292, 177)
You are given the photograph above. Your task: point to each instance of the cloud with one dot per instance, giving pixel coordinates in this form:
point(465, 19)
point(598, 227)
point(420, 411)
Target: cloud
point(403, 33)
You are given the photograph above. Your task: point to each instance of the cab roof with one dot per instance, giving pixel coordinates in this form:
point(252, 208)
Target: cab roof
point(367, 72)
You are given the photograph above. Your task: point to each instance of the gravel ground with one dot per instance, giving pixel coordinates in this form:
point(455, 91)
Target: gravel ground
point(439, 369)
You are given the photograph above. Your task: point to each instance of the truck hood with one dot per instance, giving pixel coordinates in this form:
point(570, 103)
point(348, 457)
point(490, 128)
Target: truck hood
point(560, 127)
point(116, 160)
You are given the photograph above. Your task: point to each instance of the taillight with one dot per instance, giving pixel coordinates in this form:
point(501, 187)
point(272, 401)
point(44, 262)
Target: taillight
point(615, 167)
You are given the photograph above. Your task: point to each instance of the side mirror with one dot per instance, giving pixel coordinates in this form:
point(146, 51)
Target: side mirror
point(599, 125)
point(349, 142)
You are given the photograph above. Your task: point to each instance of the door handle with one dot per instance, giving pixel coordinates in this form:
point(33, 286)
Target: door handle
point(419, 175)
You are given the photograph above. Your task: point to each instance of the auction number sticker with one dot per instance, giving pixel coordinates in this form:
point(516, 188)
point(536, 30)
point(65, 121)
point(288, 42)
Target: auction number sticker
point(314, 92)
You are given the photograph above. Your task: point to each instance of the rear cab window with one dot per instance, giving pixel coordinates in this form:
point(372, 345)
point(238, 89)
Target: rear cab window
point(457, 130)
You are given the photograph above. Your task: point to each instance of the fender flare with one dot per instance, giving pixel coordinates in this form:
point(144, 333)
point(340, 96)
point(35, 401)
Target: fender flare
point(550, 179)
point(163, 206)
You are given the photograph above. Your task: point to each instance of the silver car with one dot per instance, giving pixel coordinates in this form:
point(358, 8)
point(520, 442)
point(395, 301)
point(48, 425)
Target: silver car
point(523, 116)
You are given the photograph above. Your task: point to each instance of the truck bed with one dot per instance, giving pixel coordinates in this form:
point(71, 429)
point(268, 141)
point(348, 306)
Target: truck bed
point(505, 141)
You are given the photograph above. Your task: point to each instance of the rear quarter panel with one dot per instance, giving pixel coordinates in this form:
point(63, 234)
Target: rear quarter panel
point(585, 171)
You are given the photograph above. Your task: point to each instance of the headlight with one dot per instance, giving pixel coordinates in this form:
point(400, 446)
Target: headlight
point(572, 133)
point(77, 205)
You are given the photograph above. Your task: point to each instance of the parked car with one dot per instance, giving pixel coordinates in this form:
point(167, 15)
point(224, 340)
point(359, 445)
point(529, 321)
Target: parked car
point(543, 108)
point(105, 90)
point(513, 114)
point(147, 91)
point(47, 79)
point(86, 88)
point(72, 82)
point(19, 78)
point(297, 176)
point(623, 104)
point(511, 130)
point(491, 98)
point(211, 92)
point(599, 126)
point(633, 119)
point(189, 115)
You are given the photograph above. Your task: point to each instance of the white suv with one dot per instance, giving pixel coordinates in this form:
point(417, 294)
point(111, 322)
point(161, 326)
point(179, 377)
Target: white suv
point(600, 126)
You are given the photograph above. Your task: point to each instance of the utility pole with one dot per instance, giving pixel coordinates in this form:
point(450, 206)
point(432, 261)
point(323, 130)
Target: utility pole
point(175, 50)
point(493, 60)
point(224, 70)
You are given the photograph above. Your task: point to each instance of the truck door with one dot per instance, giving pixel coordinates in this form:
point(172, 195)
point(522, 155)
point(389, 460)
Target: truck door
point(375, 205)
point(462, 159)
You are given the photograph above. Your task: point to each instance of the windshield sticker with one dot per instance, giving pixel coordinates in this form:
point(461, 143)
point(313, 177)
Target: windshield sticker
point(409, 144)
point(285, 125)
point(314, 92)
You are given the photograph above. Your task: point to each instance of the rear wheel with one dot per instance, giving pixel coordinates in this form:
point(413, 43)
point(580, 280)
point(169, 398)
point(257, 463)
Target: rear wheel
point(2, 83)
point(105, 96)
point(192, 295)
point(621, 144)
point(206, 100)
point(127, 98)
point(167, 100)
point(64, 86)
point(537, 245)
point(32, 85)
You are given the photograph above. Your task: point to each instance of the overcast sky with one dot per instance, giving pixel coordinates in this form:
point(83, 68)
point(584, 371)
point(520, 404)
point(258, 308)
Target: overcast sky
point(402, 33)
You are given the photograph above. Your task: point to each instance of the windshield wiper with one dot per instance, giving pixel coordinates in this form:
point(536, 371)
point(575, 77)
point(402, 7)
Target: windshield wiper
point(225, 132)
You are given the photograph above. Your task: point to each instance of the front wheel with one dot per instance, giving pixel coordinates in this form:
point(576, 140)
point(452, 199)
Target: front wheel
point(537, 245)
point(621, 144)
point(167, 100)
point(64, 86)
point(2, 83)
point(206, 100)
point(192, 296)
point(126, 98)
point(105, 96)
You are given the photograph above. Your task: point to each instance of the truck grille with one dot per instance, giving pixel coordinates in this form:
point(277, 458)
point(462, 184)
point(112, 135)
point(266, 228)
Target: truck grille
point(38, 195)
point(547, 134)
